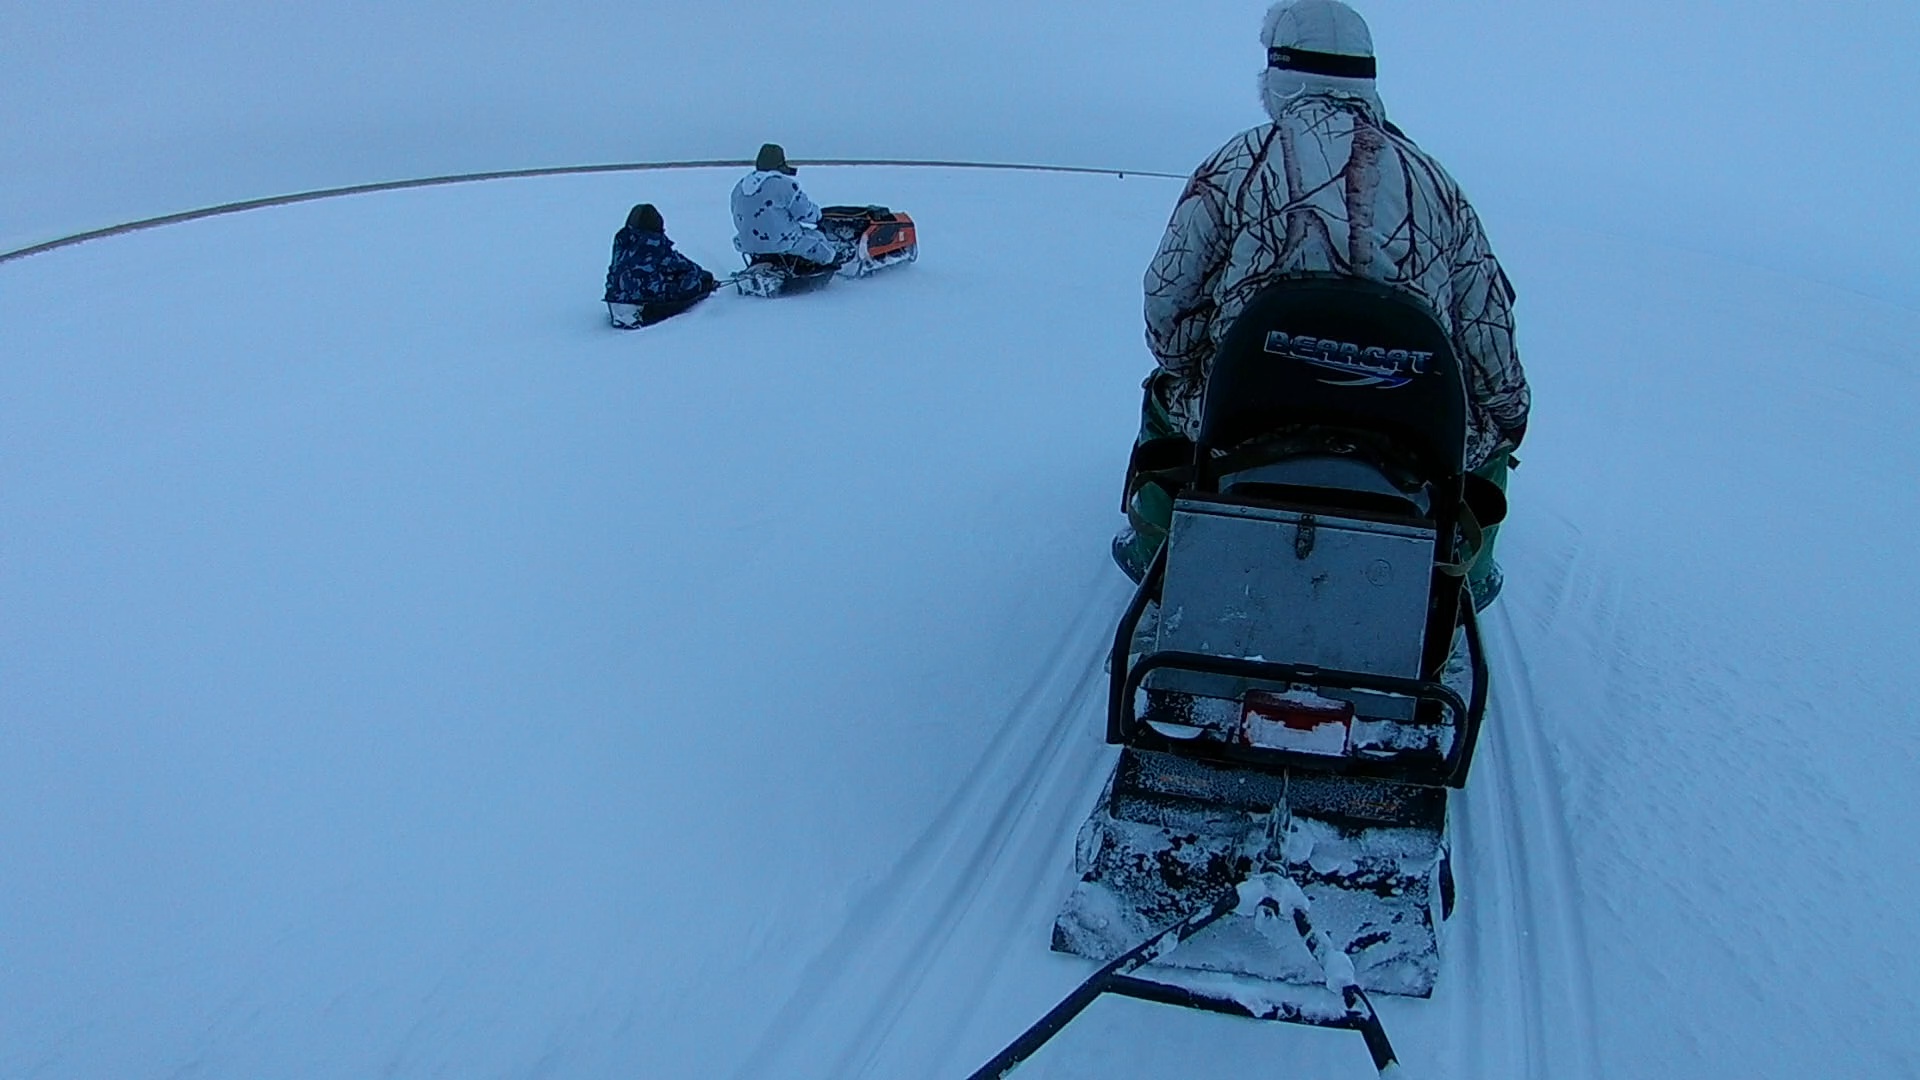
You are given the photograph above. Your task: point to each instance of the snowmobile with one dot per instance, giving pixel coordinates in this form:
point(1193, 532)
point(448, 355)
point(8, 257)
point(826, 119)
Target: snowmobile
point(1298, 682)
point(870, 238)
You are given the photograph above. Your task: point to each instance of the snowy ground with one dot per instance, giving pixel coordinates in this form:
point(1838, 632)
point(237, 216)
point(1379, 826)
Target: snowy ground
point(404, 674)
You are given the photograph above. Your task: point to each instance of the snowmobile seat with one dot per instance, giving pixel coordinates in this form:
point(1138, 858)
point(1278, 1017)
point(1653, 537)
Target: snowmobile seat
point(1333, 481)
point(1340, 355)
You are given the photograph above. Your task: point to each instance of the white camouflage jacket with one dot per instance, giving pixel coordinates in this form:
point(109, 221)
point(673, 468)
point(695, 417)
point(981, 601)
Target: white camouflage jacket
point(1330, 187)
point(771, 215)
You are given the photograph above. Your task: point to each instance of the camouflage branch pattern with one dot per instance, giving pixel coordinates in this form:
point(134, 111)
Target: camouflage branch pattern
point(1330, 187)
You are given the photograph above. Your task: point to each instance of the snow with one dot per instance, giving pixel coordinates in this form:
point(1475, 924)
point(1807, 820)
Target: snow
point(402, 673)
point(1278, 889)
point(1338, 964)
point(1274, 901)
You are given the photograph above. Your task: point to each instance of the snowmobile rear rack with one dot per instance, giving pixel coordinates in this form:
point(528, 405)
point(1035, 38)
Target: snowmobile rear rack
point(1126, 676)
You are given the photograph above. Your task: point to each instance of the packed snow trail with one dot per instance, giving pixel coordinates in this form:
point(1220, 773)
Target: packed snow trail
point(401, 672)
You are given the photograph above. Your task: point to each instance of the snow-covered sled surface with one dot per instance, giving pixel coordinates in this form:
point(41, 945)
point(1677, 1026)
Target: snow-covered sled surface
point(401, 673)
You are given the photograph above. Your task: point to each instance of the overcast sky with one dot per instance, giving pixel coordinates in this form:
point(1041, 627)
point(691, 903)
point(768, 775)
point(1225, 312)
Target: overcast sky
point(1774, 133)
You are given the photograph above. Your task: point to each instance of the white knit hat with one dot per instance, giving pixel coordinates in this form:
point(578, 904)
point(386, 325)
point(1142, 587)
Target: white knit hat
point(1316, 47)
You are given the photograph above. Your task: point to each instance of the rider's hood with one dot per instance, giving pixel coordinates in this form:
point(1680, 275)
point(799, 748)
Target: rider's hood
point(1322, 29)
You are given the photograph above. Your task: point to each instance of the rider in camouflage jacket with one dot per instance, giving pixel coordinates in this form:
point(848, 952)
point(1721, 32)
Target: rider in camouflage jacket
point(1329, 186)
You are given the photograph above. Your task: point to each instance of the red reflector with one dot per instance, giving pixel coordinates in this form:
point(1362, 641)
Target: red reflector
point(1295, 720)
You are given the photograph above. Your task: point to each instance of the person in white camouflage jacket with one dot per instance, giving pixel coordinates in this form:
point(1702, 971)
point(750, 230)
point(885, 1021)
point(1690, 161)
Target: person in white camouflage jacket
point(1328, 186)
point(772, 216)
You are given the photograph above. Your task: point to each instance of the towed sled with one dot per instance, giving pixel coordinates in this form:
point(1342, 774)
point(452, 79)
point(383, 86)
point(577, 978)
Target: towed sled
point(870, 238)
point(1297, 685)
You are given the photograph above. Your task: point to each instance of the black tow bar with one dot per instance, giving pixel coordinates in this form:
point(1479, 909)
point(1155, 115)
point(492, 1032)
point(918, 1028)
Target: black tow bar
point(1099, 983)
point(1117, 978)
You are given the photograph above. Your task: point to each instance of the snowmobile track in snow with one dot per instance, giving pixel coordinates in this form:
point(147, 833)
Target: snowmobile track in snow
point(1549, 945)
point(1027, 783)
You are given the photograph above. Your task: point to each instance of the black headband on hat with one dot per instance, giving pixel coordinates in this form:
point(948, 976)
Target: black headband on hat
point(1308, 62)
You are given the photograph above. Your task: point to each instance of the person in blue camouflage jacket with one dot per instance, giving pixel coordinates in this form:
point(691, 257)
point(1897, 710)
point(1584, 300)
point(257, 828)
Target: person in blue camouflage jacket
point(647, 280)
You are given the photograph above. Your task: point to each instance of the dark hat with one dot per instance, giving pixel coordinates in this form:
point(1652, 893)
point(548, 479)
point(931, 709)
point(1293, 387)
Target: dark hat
point(645, 218)
point(773, 159)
